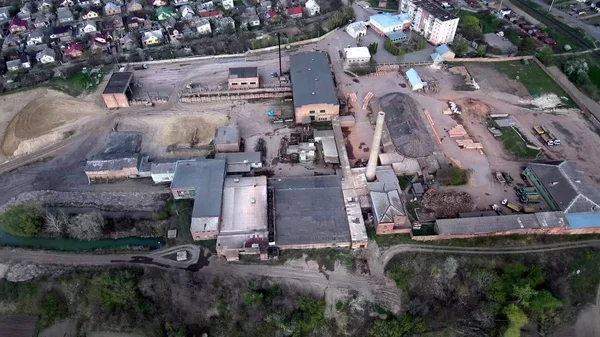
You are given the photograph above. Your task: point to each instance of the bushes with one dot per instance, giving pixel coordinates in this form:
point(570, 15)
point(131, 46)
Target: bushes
point(452, 176)
point(116, 290)
point(87, 226)
point(22, 220)
point(53, 308)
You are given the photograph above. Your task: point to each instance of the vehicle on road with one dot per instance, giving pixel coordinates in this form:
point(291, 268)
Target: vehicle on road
point(530, 198)
point(274, 74)
point(527, 190)
point(511, 205)
point(500, 178)
point(529, 209)
point(141, 67)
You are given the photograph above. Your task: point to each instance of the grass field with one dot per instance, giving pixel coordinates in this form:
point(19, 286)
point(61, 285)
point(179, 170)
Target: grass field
point(77, 83)
point(532, 77)
point(514, 145)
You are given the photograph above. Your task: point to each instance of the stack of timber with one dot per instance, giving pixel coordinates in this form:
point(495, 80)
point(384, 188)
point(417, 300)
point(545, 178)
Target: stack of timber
point(468, 144)
point(457, 131)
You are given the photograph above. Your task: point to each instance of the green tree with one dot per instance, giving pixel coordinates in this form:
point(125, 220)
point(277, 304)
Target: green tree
point(114, 290)
point(405, 326)
point(577, 71)
point(421, 43)
point(527, 46)
point(516, 320)
point(309, 316)
point(546, 56)
point(470, 23)
point(460, 47)
point(544, 304)
point(481, 50)
point(373, 48)
point(53, 307)
point(22, 220)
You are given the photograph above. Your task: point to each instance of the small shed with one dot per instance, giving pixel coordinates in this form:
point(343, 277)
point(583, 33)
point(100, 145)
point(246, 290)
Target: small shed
point(418, 189)
point(445, 52)
point(227, 139)
point(397, 36)
point(414, 80)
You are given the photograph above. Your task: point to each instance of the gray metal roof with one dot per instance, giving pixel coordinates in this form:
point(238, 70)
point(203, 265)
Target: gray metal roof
point(503, 223)
point(118, 82)
point(239, 157)
point(243, 72)
point(103, 165)
point(122, 142)
point(244, 205)
point(312, 82)
point(568, 185)
point(206, 178)
point(477, 214)
point(386, 205)
point(227, 135)
point(162, 168)
point(309, 210)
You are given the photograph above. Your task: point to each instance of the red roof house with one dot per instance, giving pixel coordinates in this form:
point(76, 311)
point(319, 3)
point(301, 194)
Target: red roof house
point(17, 25)
point(211, 14)
point(272, 14)
point(295, 12)
point(75, 50)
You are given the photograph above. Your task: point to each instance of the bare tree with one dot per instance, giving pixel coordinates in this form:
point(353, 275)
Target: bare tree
point(55, 223)
point(86, 226)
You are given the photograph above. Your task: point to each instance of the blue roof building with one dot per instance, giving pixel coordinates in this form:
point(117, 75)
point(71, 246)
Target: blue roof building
point(414, 80)
point(436, 58)
point(396, 36)
point(445, 51)
point(385, 23)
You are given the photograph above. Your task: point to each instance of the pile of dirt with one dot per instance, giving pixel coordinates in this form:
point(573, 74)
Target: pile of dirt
point(180, 129)
point(548, 101)
point(45, 120)
point(447, 204)
point(473, 106)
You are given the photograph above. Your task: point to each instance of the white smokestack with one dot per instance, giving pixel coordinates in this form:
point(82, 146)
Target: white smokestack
point(374, 155)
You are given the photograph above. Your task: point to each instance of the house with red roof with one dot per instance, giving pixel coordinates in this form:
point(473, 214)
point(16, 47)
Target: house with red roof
point(75, 50)
point(17, 25)
point(294, 12)
point(272, 14)
point(211, 14)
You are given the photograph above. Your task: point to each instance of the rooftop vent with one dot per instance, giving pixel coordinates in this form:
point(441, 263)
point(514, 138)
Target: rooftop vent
point(313, 93)
point(253, 201)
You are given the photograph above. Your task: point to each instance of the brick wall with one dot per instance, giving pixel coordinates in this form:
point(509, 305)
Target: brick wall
point(330, 112)
point(243, 83)
point(114, 101)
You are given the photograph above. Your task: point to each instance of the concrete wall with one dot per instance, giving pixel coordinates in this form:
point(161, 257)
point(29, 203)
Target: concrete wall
point(316, 246)
point(208, 235)
point(243, 83)
point(559, 230)
point(330, 112)
point(227, 147)
point(492, 59)
point(388, 228)
point(205, 222)
point(114, 101)
point(112, 175)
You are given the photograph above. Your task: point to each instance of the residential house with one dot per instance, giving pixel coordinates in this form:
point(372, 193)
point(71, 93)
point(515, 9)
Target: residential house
point(17, 26)
point(222, 23)
point(249, 18)
point(136, 20)
point(90, 13)
point(99, 38)
point(96, 2)
point(294, 12)
point(211, 15)
point(46, 56)
point(85, 3)
point(112, 9)
point(11, 41)
point(134, 6)
point(97, 47)
point(60, 32)
point(35, 37)
point(113, 22)
point(40, 20)
point(180, 2)
point(152, 38)
point(64, 15)
point(186, 12)
point(159, 3)
point(227, 4)
point(66, 3)
point(312, 7)
point(25, 61)
point(176, 32)
point(88, 27)
point(4, 14)
point(271, 14)
point(75, 50)
point(127, 42)
point(205, 5)
point(13, 65)
point(433, 22)
point(266, 4)
point(202, 25)
point(25, 12)
point(45, 5)
point(163, 13)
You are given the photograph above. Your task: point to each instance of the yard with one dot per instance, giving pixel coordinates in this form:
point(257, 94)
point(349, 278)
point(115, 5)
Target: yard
point(79, 82)
point(532, 77)
point(515, 145)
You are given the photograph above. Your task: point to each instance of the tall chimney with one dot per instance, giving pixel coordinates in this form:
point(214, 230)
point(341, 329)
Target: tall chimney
point(374, 155)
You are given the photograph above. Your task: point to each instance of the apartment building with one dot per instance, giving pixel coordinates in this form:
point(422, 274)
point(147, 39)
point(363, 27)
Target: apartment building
point(436, 24)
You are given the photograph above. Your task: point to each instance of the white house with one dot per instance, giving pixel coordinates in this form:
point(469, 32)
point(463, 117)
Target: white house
point(227, 4)
point(414, 80)
point(357, 29)
point(36, 37)
point(186, 12)
point(88, 27)
point(356, 56)
point(13, 65)
point(312, 7)
point(46, 56)
point(202, 25)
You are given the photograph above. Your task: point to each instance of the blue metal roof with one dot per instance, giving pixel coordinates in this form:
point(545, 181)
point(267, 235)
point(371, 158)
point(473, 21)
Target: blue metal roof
point(436, 57)
point(413, 77)
point(443, 49)
point(583, 220)
point(395, 35)
point(388, 20)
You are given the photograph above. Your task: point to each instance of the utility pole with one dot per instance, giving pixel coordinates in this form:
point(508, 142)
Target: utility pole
point(279, 47)
point(550, 8)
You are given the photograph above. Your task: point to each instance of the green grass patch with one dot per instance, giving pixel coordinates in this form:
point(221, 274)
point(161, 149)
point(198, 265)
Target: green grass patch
point(513, 144)
point(533, 78)
point(594, 74)
point(404, 181)
point(80, 82)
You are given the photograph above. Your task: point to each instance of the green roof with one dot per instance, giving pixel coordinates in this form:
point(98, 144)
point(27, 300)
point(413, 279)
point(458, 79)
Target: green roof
point(163, 13)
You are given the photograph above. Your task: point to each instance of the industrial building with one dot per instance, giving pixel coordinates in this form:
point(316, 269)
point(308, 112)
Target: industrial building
point(240, 162)
point(308, 212)
point(118, 90)
point(435, 23)
point(162, 172)
point(201, 180)
point(357, 29)
point(328, 147)
point(386, 23)
point(227, 139)
point(356, 57)
point(313, 89)
point(243, 218)
point(397, 37)
point(414, 80)
point(389, 214)
point(120, 158)
point(243, 78)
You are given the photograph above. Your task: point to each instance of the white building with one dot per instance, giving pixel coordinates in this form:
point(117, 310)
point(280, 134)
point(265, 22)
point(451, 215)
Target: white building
point(356, 56)
point(436, 24)
point(312, 7)
point(386, 23)
point(162, 172)
point(227, 4)
point(357, 29)
point(414, 80)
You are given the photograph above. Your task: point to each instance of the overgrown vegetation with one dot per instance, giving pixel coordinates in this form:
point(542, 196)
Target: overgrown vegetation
point(452, 176)
point(22, 220)
point(515, 145)
point(179, 215)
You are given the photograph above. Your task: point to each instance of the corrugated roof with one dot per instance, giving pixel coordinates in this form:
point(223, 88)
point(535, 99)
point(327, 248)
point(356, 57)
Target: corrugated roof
point(436, 57)
point(413, 77)
point(387, 20)
point(357, 52)
point(503, 223)
point(398, 35)
point(244, 205)
point(118, 82)
point(443, 49)
point(243, 72)
point(386, 205)
point(103, 165)
point(239, 157)
point(312, 82)
point(583, 220)
point(227, 135)
point(163, 168)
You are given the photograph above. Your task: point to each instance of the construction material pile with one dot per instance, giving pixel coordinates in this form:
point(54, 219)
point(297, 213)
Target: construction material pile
point(447, 204)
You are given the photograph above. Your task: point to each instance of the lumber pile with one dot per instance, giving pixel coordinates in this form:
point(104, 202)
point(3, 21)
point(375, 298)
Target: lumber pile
point(457, 131)
point(468, 144)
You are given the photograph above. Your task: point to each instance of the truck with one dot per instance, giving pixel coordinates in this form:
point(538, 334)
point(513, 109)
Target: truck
point(527, 190)
point(538, 129)
point(530, 198)
point(547, 139)
point(500, 177)
point(511, 205)
point(529, 209)
point(555, 140)
point(509, 180)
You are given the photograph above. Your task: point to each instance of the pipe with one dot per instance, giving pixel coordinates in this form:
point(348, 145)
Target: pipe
point(279, 48)
point(374, 155)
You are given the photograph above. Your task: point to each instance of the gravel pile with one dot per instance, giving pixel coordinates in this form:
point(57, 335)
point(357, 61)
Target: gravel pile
point(447, 204)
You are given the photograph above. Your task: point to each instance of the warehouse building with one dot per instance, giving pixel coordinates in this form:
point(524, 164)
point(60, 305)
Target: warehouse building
point(313, 89)
point(328, 148)
point(243, 217)
point(309, 212)
point(119, 160)
point(414, 80)
point(356, 57)
point(243, 78)
point(201, 180)
point(162, 172)
point(227, 139)
point(240, 162)
point(118, 90)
